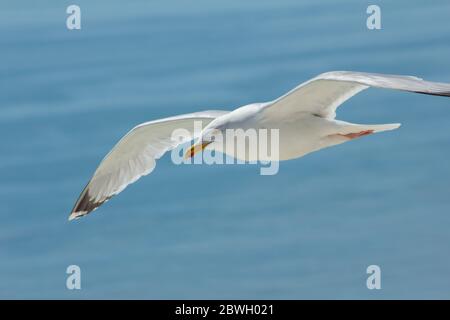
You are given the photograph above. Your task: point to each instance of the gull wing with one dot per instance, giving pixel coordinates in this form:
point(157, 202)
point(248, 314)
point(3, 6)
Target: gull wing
point(134, 156)
point(323, 94)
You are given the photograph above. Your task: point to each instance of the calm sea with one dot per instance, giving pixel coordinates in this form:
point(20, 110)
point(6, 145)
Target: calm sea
point(310, 231)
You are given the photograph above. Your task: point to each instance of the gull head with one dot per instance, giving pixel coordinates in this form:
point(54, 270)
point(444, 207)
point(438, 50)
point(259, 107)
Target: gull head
point(208, 137)
point(195, 148)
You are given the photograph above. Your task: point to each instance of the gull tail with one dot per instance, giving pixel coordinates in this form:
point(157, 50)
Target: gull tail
point(344, 131)
point(377, 127)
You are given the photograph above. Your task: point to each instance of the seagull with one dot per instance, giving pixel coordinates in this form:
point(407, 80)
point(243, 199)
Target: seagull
point(305, 118)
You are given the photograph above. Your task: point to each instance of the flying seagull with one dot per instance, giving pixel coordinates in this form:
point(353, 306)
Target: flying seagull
point(305, 118)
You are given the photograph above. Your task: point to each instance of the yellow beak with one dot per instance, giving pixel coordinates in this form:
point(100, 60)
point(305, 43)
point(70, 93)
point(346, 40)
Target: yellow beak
point(196, 148)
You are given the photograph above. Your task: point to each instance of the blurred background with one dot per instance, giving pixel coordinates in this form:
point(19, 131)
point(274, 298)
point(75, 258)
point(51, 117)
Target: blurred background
point(213, 232)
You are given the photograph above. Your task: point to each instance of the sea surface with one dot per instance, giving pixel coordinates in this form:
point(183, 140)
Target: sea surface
point(220, 232)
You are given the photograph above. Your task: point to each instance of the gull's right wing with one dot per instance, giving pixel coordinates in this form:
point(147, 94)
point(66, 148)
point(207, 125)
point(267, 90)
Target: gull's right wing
point(134, 156)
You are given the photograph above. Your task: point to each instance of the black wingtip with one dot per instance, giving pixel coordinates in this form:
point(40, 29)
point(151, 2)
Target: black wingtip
point(85, 205)
point(440, 94)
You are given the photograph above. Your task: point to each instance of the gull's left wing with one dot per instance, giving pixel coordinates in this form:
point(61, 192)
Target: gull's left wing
point(323, 94)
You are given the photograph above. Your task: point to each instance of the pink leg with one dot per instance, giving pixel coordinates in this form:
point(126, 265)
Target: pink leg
point(355, 134)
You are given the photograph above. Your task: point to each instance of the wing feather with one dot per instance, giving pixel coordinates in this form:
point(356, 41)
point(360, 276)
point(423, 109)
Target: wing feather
point(134, 156)
point(323, 94)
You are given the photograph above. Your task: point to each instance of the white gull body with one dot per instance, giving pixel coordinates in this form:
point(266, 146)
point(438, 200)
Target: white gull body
point(305, 118)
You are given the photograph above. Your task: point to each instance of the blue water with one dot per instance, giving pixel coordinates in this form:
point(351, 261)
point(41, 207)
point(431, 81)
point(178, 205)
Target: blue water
point(310, 231)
